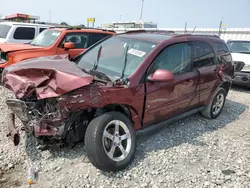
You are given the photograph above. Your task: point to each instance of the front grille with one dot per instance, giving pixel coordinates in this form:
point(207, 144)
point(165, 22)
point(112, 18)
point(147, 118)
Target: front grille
point(3, 56)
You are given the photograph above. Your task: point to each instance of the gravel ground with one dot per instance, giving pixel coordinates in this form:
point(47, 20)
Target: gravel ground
point(194, 152)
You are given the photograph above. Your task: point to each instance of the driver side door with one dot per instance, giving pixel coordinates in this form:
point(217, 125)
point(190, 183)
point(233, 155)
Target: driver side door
point(165, 100)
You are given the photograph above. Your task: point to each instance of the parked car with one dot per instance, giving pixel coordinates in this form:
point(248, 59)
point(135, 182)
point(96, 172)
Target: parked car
point(52, 41)
point(118, 86)
point(17, 32)
point(240, 50)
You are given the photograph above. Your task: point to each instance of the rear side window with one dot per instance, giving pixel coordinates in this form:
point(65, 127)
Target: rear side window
point(221, 48)
point(203, 54)
point(97, 37)
point(24, 33)
point(4, 29)
point(41, 29)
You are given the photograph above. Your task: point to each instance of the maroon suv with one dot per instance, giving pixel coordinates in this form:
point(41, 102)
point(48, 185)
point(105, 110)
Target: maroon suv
point(118, 86)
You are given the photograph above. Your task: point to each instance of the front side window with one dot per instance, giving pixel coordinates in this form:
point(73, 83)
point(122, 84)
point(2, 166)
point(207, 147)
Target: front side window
point(24, 33)
point(46, 38)
point(112, 54)
point(203, 55)
point(239, 46)
point(176, 58)
point(4, 30)
point(80, 40)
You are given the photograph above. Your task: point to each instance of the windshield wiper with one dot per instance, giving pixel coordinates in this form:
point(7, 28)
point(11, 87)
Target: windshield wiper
point(125, 62)
point(97, 59)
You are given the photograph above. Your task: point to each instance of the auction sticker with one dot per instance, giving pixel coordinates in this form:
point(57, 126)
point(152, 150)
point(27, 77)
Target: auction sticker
point(135, 52)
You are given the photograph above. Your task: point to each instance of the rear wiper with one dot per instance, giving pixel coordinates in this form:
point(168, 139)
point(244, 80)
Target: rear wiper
point(97, 59)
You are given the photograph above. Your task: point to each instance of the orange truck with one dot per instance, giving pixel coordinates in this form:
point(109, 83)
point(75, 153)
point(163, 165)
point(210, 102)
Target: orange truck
point(52, 41)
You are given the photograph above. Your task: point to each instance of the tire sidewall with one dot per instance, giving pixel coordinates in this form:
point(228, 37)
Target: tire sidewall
point(221, 90)
point(115, 166)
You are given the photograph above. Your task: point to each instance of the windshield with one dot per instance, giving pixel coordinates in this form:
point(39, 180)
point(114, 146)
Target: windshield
point(46, 38)
point(111, 56)
point(4, 29)
point(239, 46)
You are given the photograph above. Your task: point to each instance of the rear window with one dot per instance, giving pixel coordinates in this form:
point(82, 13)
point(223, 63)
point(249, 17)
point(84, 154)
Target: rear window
point(4, 29)
point(24, 33)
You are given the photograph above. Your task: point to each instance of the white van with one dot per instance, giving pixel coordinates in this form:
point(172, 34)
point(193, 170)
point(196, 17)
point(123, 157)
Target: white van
point(16, 32)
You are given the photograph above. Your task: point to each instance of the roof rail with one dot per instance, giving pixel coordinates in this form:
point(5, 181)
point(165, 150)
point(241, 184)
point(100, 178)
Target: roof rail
point(150, 31)
point(57, 27)
point(79, 28)
point(108, 30)
point(199, 35)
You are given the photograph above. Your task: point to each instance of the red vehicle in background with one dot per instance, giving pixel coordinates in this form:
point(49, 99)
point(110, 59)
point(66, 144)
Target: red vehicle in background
point(52, 41)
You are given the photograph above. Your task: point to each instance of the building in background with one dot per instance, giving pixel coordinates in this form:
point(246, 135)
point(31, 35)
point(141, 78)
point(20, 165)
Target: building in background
point(22, 18)
point(130, 24)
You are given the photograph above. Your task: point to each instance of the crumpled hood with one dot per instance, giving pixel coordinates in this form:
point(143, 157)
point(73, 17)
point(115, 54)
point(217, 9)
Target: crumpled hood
point(9, 47)
point(49, 76)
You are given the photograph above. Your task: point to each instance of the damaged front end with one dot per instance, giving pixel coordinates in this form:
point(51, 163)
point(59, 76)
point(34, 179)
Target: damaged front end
point(38, 91)
point(47, 122)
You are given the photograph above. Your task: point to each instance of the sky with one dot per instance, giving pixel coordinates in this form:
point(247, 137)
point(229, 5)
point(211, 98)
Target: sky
point(167, 13)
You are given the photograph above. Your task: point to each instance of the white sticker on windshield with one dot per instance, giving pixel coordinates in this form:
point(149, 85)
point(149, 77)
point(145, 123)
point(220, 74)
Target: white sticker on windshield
point(136, 52)
point(55, 34)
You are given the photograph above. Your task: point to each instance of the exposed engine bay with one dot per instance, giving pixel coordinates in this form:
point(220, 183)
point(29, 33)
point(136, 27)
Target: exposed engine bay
point(51, 120)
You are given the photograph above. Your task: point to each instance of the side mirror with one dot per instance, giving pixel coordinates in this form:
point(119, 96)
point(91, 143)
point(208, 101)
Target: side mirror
point(69, 45)
point(238, 65)
point(161, 75)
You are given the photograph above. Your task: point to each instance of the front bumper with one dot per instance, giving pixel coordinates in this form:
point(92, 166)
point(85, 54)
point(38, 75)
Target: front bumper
point(19, 108)
point(242, 78)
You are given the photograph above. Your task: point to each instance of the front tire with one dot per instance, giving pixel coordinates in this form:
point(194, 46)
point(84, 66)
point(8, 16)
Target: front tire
point(110, 141)
point(215, 107)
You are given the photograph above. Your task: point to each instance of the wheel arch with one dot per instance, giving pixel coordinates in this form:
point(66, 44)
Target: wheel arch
point(124, 109)
point(226, 86)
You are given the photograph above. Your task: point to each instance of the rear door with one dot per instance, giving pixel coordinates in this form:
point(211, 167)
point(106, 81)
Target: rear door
point(165, 100)
point(205, 62)
point(81, 41)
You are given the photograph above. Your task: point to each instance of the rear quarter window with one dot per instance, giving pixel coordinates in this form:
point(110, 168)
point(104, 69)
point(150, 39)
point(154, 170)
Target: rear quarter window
point(24, 33)
point(221, 48)
point(4, 30)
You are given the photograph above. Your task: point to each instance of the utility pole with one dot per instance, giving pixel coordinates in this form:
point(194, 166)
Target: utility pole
point(219, 33)
point(49, 16)
point(142, 9)
point(185, 29)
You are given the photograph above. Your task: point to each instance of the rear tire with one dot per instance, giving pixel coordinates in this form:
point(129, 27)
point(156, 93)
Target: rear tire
point(110, 141)
point(215, 107)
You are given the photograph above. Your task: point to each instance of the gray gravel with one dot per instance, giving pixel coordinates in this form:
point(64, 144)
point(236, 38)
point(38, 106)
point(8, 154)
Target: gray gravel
point(194, 152)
